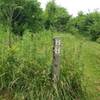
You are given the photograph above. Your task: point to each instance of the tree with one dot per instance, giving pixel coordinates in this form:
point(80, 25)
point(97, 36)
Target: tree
point(86, 24)
point(56, 17)
point(19, 15)
point(49, 14)
point(7, 9)
point(94, 28)
point(34, 15)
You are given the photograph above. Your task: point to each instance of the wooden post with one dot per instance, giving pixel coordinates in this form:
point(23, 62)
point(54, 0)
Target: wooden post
point(56, 59)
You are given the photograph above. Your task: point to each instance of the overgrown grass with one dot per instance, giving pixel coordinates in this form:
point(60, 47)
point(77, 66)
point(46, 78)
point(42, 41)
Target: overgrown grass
point(25, 68)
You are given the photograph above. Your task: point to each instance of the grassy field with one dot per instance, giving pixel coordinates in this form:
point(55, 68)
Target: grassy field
point(90, 55)
point(25, 68)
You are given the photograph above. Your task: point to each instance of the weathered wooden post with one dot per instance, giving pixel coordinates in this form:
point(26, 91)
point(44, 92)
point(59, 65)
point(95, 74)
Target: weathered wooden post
point(56, 59)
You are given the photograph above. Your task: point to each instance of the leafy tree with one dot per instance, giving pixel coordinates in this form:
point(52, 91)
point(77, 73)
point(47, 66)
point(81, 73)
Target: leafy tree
point(7, 9)
point(17, 15)
point(94, 28)
point(80, 23)
point(34, 15)
point(56, 17)
point(62, 19)
point(86, 24)
point(49, 14)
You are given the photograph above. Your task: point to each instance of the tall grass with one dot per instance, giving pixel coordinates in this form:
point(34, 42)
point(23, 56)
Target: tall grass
point(25, 69)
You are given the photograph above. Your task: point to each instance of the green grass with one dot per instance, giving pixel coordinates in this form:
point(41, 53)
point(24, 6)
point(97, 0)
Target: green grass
point(25, 68)
point(92, 69)
point(90, 55)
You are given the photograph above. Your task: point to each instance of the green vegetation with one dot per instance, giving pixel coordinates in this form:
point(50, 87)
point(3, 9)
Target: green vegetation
point(18, 15)
point(25, 68)
point(26, 34)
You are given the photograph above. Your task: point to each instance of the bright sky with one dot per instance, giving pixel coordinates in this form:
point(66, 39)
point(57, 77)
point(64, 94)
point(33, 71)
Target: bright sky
point(74, 6)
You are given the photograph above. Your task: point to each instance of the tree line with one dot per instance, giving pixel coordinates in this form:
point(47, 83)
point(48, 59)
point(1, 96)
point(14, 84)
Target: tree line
point(19, 15)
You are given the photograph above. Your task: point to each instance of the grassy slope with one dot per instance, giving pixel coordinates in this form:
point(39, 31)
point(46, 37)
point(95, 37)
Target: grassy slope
point(90, 53)
point(91, 59)
point(90, 56)
point(92, 69)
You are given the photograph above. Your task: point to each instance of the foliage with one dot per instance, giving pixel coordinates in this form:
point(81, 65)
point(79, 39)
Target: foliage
point(25, 70)
point(94, 29)
point(17, 15)
point(86, 24)
point(56, 17)
point(25, 63)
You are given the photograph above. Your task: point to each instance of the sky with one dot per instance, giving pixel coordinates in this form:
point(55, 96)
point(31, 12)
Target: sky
point(74, 6)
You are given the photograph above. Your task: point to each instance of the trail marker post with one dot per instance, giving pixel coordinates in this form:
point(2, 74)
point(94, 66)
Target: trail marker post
point(56, 59)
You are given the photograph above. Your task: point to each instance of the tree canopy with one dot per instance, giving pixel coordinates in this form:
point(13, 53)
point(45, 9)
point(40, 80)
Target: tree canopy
point(21, 15)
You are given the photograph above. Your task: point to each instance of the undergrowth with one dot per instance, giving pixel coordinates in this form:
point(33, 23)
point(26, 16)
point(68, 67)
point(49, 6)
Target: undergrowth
point(25, 69)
